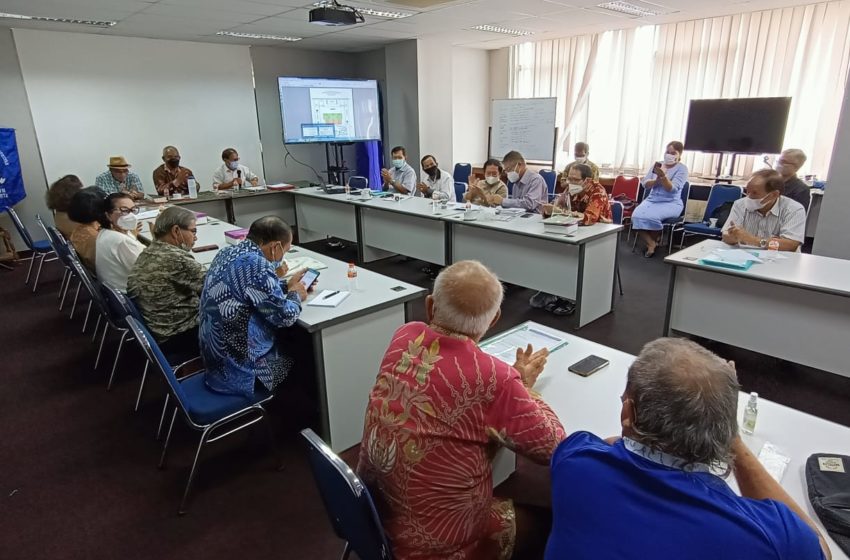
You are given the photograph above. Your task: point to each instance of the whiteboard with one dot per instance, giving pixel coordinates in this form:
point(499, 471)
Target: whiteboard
point(524, 125)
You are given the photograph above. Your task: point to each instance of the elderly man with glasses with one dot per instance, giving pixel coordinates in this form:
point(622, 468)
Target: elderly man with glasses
point(119, 179)
point(529, 187)
point(166, 282)
point(658, 490)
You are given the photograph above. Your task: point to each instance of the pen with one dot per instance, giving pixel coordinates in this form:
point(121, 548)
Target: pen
point(326, 296)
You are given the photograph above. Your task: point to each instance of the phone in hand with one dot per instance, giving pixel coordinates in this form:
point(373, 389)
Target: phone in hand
point(588, 366)
point(309, 278)
point(657, 165)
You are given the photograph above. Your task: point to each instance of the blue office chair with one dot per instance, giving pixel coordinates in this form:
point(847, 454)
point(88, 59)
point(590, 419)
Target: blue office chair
point(510, 188)
point(203, 409)
point(550, 177)
point(358, 182)
point(57, 247)
point(347, 502)
point(617, 218)
point(97, 303)
point(39, 249)
point(462, 172)
point(719, 195)
point(460, 190)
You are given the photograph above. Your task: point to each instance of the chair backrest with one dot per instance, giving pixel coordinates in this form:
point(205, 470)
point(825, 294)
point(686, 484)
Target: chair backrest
point(460, 190)
point(157, 358)
point(686, 194)
point(119, 306)
point(549, 176)
point(617, 212)
point(358, 182)
point(347, 501)
point(19, 225)
point(90, 285)
point(50, 238)
point(462, 172)
point(627, 186)
point(719, 195)
point(510, 188)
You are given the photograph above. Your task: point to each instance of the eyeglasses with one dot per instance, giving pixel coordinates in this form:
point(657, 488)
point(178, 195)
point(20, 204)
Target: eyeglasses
point(193, 230)
point(124, 210)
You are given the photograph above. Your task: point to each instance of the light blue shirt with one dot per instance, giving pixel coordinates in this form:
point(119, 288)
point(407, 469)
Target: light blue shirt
point(406, 176)
point(678, 175)
point(528, 193)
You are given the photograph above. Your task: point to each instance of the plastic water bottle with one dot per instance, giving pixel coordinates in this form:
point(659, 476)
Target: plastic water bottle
point(352, 277)
point(193, 187)
point(751, 414)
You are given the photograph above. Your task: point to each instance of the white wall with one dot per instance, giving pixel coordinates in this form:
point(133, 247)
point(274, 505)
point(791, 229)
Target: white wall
point(435, 101)
point(16, 114)
point(499, 73)
point(94, 96)
point(470, 105)
point(833, 235)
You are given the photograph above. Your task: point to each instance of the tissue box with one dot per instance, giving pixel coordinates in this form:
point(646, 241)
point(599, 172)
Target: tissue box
point(236, 235)
point(201, 218)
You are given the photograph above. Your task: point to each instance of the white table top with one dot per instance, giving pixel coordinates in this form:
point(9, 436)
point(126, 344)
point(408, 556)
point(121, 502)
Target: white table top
point(375, 291)
point(419, 206)
point(593, 404)
point(812, 272)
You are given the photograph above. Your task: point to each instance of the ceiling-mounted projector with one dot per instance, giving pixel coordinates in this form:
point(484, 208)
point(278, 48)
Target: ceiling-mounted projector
point(334, 13)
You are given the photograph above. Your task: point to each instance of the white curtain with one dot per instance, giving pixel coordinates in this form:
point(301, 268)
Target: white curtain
point(627, 92)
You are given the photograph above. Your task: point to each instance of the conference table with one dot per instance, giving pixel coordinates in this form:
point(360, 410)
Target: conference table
point(579, 267)
point(793, 306)
point(241, 207)
point(348, 341)
point(593, 404)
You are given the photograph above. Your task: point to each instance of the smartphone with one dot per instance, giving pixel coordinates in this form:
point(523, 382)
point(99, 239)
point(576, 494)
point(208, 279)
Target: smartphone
point(657, 165)
point(309, 278)
point(203, 248)
point(527, 215)
point(588, 366)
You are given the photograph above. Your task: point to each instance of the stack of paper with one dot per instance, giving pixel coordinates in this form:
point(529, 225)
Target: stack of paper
point(561, 223)
point(505, 346)
point(731, 258)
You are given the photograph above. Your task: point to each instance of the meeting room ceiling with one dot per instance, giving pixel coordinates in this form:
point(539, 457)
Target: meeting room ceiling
point(449, 20)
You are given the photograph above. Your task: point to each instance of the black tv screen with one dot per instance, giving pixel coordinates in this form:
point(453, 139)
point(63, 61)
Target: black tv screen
point(753, 125)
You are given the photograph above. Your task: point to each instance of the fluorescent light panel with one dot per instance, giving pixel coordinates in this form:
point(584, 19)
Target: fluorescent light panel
point(368, 11)
point(91, 22)
point(257, 36)
point(627, 8)
point(503, 30)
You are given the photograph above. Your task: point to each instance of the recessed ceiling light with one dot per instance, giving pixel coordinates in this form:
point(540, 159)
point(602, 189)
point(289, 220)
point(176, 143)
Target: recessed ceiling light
point(628, 8)
point(389, 14)
point(504, 30)
point(257, 36)
point(94, 23)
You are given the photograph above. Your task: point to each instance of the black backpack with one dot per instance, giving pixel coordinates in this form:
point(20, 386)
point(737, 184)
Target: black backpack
point(722, 213)
point(828, 479)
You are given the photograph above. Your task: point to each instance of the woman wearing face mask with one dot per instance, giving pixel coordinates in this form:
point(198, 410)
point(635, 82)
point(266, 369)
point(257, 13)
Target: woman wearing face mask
point(663, 197)
point(482, 191)
point(233, 174)
point(166, 283)
point(117, 248)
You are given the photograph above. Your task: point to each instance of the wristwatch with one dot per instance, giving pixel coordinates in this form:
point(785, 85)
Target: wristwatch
point(763, 243)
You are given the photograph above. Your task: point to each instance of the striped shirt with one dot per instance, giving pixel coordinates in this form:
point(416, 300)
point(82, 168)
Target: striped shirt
point(107, 183)
point(786, 220)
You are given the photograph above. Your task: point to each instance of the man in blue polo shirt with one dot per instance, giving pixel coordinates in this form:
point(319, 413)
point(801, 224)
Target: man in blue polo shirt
point(652, 493)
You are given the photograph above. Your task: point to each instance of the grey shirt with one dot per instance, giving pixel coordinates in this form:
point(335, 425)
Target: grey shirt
point(786, 220)
point(796, 189)
point(406, 176)
point(529, 192)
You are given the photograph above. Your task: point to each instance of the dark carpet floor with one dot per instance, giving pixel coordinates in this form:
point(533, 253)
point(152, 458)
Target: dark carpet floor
point(78, 476)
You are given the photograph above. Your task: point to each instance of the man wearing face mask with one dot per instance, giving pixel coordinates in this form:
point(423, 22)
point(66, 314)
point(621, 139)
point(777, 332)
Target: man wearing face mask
point(117, 248)
point(588, 201)
point(233, 174)
point(484, 192)
point(529, 186)
point(787, 164)
point(166, 284)
point(764, 215)
point(171, 177)
point(243, 305)
point(580, 152)
point(401, 178)
point(435, 179)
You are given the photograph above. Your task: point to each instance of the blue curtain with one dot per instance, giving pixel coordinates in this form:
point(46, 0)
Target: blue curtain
point(11, 182)
point(369, 162)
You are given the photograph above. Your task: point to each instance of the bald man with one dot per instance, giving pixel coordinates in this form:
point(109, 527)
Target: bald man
point(171, 177)
point(787, 164)
point(437, 411)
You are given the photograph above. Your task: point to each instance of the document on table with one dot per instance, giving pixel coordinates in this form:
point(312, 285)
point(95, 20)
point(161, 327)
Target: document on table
point(736, 256)
point(504, 346)
point(300, 263)
point(328, 298)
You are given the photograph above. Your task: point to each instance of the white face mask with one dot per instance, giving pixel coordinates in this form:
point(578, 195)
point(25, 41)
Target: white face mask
point(513, 176)
point(670, 159)
point(581, 159)
point(576, 188)
point(754, 204)
point(491, 179)
point(128, 222)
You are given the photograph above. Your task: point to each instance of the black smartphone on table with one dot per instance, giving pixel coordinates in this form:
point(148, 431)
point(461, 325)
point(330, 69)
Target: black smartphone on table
point(588, 366)
point(309, 278)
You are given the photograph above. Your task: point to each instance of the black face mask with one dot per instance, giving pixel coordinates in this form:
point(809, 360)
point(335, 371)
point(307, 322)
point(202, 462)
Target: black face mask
point(431, 171)
point(172, 162)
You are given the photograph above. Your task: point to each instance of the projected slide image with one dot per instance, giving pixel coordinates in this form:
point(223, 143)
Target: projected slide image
point(333, 106)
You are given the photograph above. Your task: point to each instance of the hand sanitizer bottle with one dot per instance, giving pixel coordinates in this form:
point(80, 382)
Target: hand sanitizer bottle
point(751, 414)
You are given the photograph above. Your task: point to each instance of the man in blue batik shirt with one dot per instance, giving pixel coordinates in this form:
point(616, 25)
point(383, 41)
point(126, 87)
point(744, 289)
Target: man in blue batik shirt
point(243, 305)
point(654, 492)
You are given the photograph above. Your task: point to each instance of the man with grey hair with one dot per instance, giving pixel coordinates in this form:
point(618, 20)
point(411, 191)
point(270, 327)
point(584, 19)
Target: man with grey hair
point(166, 283)
point(787, 164)
point(654, 492)
point(529, 187)
point(439, 409)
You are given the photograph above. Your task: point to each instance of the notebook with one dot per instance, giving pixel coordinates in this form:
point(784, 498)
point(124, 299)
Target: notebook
point(328, 298)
